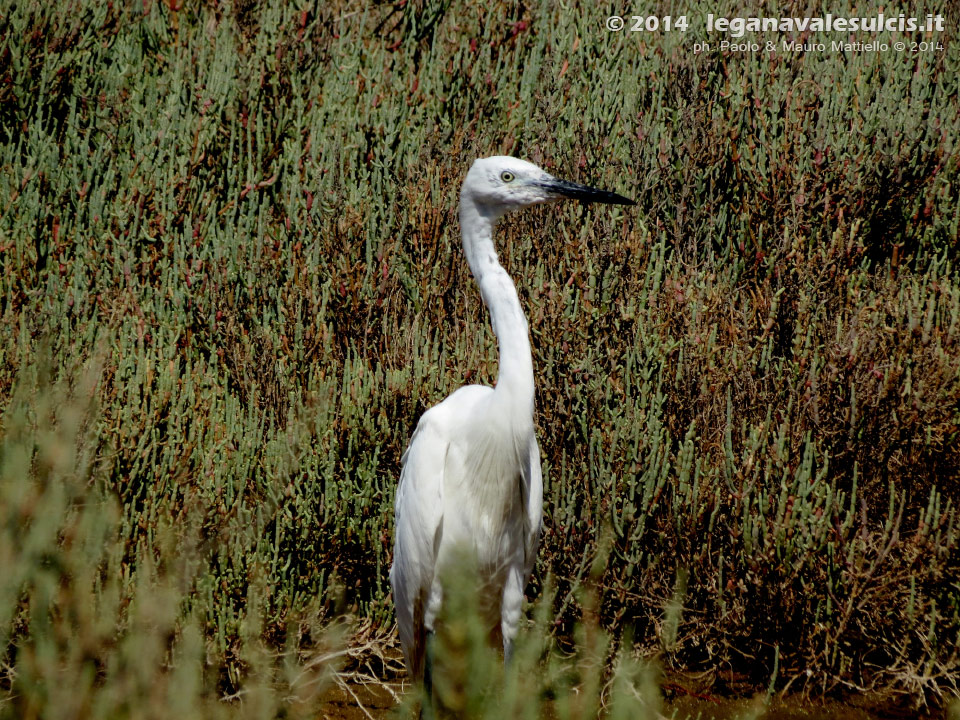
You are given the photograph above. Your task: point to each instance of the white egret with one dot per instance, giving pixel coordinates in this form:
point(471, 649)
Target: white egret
point(471, 475)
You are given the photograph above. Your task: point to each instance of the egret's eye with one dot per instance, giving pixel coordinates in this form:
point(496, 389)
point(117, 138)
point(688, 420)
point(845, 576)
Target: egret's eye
point(507, 176)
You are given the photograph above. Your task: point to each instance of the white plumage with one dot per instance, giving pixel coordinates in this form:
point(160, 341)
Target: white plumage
point(471, 477)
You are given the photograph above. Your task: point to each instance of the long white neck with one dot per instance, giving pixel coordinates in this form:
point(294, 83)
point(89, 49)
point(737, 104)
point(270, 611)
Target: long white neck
point(515, 381)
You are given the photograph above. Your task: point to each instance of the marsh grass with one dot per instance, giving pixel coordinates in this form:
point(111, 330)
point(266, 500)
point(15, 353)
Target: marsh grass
point(231, 283)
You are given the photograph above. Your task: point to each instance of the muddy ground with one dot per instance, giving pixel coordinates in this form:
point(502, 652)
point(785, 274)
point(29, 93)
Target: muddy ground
point(366, 702)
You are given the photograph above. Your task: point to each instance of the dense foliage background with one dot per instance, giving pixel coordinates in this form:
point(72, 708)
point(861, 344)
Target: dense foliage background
point(231, 282)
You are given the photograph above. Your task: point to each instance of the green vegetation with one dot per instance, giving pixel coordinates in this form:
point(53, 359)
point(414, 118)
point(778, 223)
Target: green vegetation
point(230, 283)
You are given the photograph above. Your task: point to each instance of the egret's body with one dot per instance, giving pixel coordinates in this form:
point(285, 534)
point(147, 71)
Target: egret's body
point(471, 477)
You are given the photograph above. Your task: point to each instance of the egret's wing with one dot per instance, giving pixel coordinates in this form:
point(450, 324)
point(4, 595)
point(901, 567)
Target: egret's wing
point(531, 489)
point(419, 513)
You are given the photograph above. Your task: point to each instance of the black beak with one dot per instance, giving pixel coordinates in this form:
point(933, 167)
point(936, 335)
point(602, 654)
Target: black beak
point(584, 192)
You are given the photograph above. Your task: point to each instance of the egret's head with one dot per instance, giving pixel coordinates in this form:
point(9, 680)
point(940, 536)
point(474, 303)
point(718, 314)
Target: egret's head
point(501, 183)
